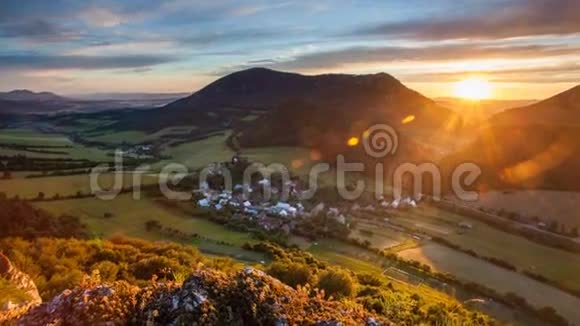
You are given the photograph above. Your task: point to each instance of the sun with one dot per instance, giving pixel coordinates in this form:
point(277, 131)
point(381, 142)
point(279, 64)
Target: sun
point(473, 89)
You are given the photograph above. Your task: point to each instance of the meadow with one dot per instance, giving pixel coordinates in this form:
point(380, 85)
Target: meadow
point(36, 140)
point(555, 264)
point(29, 188)
point(547, 205)
point(128, 217)
point(468, 268)
point(378, 237)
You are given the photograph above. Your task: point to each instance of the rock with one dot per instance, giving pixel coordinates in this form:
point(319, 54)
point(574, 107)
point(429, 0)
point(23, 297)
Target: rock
point(21, 281)
point(207, 297)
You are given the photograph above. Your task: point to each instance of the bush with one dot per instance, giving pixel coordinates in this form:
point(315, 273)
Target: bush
point(337, 283)
point(293, 274)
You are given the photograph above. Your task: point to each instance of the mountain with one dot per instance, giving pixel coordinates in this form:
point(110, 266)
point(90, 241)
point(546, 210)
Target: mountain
point(27, 102)
point(262, 90)
point(23, 95)
point(533, 147)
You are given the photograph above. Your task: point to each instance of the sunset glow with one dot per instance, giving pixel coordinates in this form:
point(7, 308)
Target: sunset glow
point(473, 89)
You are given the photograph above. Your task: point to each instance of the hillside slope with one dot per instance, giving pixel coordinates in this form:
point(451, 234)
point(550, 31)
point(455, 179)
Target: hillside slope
point(532, 147)
point(208, 297)
point(563, 108)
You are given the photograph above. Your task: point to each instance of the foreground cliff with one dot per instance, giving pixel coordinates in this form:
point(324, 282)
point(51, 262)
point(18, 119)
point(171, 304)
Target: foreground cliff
point(207, 297)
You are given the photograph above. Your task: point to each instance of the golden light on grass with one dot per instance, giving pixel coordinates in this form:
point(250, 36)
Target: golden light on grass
point(408, 119)
point(352, 141)
point(474, 88)
point(296, 164)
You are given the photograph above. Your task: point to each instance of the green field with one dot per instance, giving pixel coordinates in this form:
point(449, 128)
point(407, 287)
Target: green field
point(129, 137)
point(38, 140)
point(379, 237)
point(129, 216)
point(198, 154)
point(555, 264)
point(547, 205)
point(32, 138)
point(468, 268)
point(28, 188)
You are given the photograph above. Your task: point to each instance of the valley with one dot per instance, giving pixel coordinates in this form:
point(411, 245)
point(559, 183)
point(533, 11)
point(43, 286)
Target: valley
point(442, 255)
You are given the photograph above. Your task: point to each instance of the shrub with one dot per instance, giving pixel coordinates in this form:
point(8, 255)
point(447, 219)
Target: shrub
point(337, 283)
point(293, 274)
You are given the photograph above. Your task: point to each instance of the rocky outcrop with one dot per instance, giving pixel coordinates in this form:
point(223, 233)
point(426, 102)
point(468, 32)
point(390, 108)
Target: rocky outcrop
point(207, 297)
point(20, 281)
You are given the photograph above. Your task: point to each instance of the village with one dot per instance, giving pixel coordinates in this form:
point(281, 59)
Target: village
point(279, 213)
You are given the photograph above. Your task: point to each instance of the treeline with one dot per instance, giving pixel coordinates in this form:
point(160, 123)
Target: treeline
point(19, 219)
point(24, 163)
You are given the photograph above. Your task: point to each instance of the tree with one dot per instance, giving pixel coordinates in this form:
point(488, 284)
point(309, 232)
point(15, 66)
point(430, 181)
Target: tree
point(40, 196)
point(7, 174)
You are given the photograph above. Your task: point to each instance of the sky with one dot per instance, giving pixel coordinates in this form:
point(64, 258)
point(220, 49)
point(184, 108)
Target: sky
point(527, 49)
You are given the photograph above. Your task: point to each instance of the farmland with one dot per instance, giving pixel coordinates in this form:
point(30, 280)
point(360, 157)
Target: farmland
point(468, 268)
point(560, 206)
point(487, 241)
point(29, 188)
point(57, 146)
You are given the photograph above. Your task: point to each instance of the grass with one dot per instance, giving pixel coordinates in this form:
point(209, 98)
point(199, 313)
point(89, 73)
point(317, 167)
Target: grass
point(37, 140)
point(548, 205)
point(129, 216)
point(32, 138)
point(554, 264)
point(129, 137)
point(379, 237)
point(28, 188)
point(198, 154)
point(468, 268)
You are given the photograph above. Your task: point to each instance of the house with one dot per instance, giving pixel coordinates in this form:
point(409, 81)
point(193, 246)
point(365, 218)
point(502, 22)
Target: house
point(317, 209)
point(204, 203)
point(465, 225)
point(369, 208)
point(340, 219)
point(333, 211)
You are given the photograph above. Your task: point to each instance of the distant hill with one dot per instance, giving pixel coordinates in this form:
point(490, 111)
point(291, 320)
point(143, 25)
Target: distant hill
point(534, 147)
point(234, 96)
point(477, 111)
point(23, 95)
point(25, 102)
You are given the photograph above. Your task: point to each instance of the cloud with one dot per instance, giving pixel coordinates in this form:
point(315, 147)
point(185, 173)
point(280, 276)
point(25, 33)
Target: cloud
point(38, 30)
point(55, 62)
point(365, 55)
point(101, 17)
point(559, 73)
point(518, 18)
